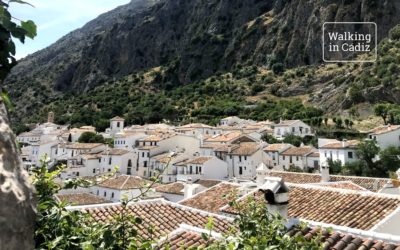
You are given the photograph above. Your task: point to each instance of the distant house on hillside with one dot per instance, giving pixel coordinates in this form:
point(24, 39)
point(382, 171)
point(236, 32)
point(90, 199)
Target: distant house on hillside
point(385, 136)
point(292, 127)
point(344, 151)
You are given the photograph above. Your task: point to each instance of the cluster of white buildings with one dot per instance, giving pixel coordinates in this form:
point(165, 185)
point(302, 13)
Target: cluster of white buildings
point(188, 153)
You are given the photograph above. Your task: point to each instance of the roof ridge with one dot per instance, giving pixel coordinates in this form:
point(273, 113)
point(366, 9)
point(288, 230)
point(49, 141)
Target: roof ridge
point(123, 184)
point(344, 191)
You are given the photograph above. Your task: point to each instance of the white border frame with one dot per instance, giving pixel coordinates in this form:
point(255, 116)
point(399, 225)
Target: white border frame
point(355, 61)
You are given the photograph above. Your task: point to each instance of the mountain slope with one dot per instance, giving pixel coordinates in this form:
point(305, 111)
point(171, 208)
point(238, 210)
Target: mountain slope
point(192, 40)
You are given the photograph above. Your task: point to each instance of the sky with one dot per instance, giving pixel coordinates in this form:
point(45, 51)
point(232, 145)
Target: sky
point(56, 18)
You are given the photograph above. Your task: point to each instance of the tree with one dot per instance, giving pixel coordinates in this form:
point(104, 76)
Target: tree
point(335, 167)
point(366, 152)
point(270, 139)
point(90, 137)
point(11, 29)
point(278, 68)
point(293, 139)
point(389, 159)
point(382, 110)
point(16, 196)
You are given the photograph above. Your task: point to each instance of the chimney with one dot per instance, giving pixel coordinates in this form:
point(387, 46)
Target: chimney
point(189, 188)
point(276, 195)
point(344, 143)
point(325, 174)
point(261, 173)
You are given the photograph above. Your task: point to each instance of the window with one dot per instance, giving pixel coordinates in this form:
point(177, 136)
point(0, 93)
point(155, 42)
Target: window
point(109, 161)
point(148, 154)
point(245, 158)
point(129, 171)
point(290, 159)
point(240, 158)
point(190, 169)
point(325, 154)
point(199, 170)
point(350, 155)
point(142, 154)
point(99, 160)
point(118, 124)
point(94, 170)
point(240, 170)
point(77, 173)
point(112, 195)
point(129, 163)
point(145, 164)
point(105, 194)
point(297, 158)
point(98, 192)
point(293, 129)
point(283, 157)
point(109, 170)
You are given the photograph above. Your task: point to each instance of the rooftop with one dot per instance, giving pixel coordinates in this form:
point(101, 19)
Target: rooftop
point(340, 144)
point(298, 151)
point(214, 198)
point(224, 137)
point(199, 160)
point(370, 183)
point(276, 147)
point(171, 188)
point(115, 151)
point(81, 199)
point(78, 145)
point(163, 216)
point(123, 182)
point(348, 208)
point(384, 129)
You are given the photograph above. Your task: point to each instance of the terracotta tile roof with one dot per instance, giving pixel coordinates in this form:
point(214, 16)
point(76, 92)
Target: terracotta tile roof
point(115, 151)
point(208, 183)
point(164, 217)
point(245, 148)
point(295, 177)
point(78, 145)
point(340, 144)
point(90, 156)
point(199, 160)
point(347, 208)
point(276, 147)
point(212, 199)
point(300, 151)
point(81, 199)
point(384, 129)
point(123, 182)
point(341, 185)
point(185, 240)
point(342, 241)
point(224, 137)
point(195, 125)
point(211, 145)
point(313, 154)
point(171, 188)
point(370, 183)
point(152, 138)
point(163, 158)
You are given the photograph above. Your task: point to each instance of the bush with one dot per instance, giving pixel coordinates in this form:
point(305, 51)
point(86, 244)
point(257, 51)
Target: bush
point(278, 68)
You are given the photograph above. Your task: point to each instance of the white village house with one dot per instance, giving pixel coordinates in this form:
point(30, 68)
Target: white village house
point(293, 127)
point(386, 136)
point(343, 151)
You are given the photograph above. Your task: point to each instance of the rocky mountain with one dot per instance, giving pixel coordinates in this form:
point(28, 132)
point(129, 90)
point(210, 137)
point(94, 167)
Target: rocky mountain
point(193, 40)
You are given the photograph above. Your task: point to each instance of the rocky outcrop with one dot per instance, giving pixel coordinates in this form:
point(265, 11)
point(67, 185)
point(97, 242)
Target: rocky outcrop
point(17, 209)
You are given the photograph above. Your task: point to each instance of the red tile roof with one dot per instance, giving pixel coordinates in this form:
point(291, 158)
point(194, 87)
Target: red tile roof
point(347, 208)
point(370, 183)
point(81, 199)
point(171, 188)
point(384, 129)
point(123, 182)
point(164, 217)
point(343, 241)
point(214, 198)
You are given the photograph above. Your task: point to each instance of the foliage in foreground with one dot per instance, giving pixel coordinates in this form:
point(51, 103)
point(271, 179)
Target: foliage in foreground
point(60, 228)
